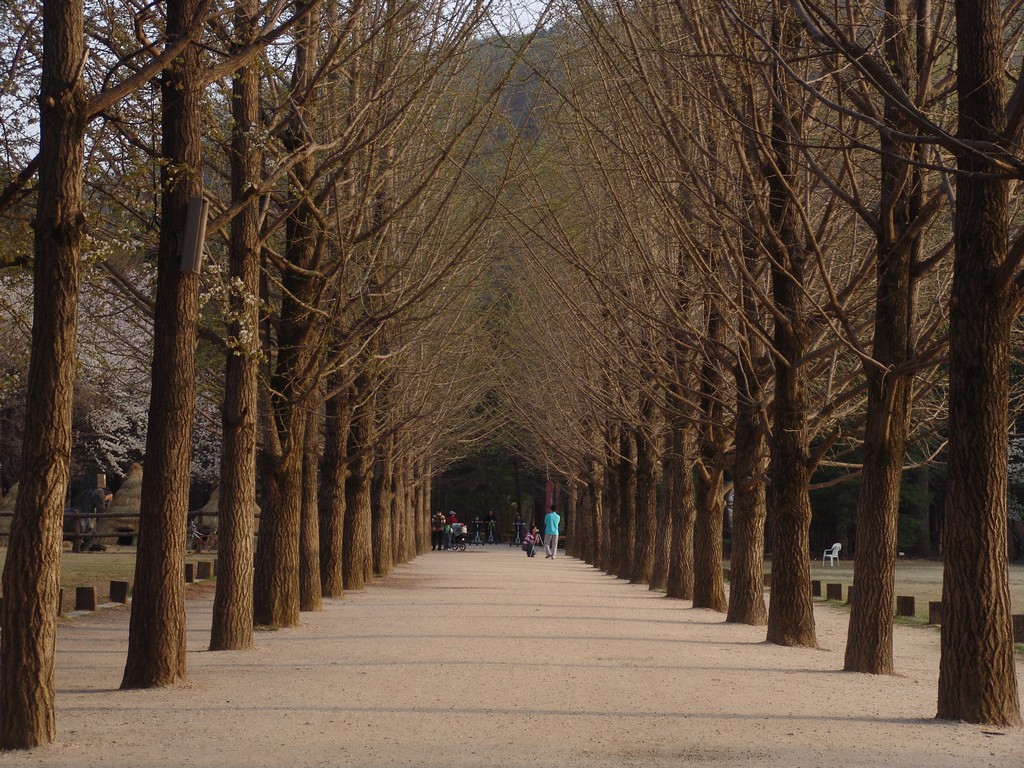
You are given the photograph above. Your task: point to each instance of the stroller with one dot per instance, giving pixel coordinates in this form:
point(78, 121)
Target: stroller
point(458, 537)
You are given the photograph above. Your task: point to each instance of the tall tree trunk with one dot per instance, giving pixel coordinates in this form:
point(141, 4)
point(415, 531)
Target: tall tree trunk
point(646, 496)
point(750, 462)
point(309, 536)
point(614, 506)
point(790, 609)
point(382, 494)
point(977, 679)
point(626, 543)
point(598, 513)
point(680, 461)
point(31, 576)
point(156, 636)
point(400, 517)
point(276, 575)
point(869, 636)
point(663, 540)
point(337, 419)
point(423, 483)
point(746, 580)
point(232, 606)
point(708, 586)
point(571, 526)
point(276, 597)
point(357, 564)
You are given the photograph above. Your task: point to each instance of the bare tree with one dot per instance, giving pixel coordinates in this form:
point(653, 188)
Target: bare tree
point(31, 573)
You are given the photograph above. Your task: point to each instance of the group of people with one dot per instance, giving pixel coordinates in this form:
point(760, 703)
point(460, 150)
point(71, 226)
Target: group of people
point(550, 539)
point(445, 528)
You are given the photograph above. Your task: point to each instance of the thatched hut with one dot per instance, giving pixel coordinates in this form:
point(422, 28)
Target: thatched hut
point(208, 519)
point(7, 508)
point(126, 501)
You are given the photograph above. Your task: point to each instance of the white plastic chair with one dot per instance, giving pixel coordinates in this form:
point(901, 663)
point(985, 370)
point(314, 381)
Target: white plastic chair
point(831, 554)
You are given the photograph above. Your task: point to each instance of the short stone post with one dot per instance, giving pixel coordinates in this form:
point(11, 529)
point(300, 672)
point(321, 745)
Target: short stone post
point(204, 569)
point(905, 605)
point(934, 612)
point(1018, 627)
point(85, 598)
point(816, 588)
point(119, 592)
point(834, 591)
point(190, 573)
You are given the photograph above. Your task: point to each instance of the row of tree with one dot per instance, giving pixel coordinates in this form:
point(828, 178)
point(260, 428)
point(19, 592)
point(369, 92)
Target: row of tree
point(759, 240)
point(340, 147)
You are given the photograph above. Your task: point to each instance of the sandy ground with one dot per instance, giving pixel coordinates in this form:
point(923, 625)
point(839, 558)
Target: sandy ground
point(487, 658)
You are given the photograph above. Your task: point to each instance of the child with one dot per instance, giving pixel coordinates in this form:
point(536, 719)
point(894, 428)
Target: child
point(529, 541)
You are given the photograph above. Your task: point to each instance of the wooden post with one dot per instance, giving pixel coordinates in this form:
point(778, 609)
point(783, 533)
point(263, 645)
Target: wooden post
point(934, 612)
point(834, 591)
point(726, 574)
point(1018, 627)
point(60, 602)
point(204, 569)
point(119, 592)
point(768, 580)
point(816, 588)
point(849, 595)
point(85, 598)
point(905, 605)
point(190, 573)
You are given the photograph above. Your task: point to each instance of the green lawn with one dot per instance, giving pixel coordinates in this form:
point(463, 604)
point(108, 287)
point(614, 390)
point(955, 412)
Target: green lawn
point(921, 579)
point(98, 569)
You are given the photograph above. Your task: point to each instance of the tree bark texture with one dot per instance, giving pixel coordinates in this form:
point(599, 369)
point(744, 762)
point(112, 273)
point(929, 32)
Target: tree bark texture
point(402, 517)
point(423, 489)
point(232, 606)
point(750, 454)
point(599, 524)
point(156, 637)
point(613, 507)
point(746, 580)
point(626, 543)
point(977, 679)
point(309, 537)
point(382, 495)
point(337, 420)
point(571, 527)
point(646, 499)
point(683, 508)
point(869, 635)
point(31, 575)
point(663, 539)
point(790, 609)
point(276, 575)
point(708, 586)
point(293, 383)
point(357, 564)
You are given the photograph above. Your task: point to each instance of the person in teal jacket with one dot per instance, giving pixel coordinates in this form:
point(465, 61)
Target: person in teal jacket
point(551, 521)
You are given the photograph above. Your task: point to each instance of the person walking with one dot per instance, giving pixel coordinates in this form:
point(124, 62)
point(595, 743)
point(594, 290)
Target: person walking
point(551, 521)
point(437, 530)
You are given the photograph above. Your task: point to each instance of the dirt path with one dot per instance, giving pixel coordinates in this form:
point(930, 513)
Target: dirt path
point(487, 658)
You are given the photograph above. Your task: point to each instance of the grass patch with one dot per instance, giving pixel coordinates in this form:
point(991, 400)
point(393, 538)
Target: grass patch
point(98, 569)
